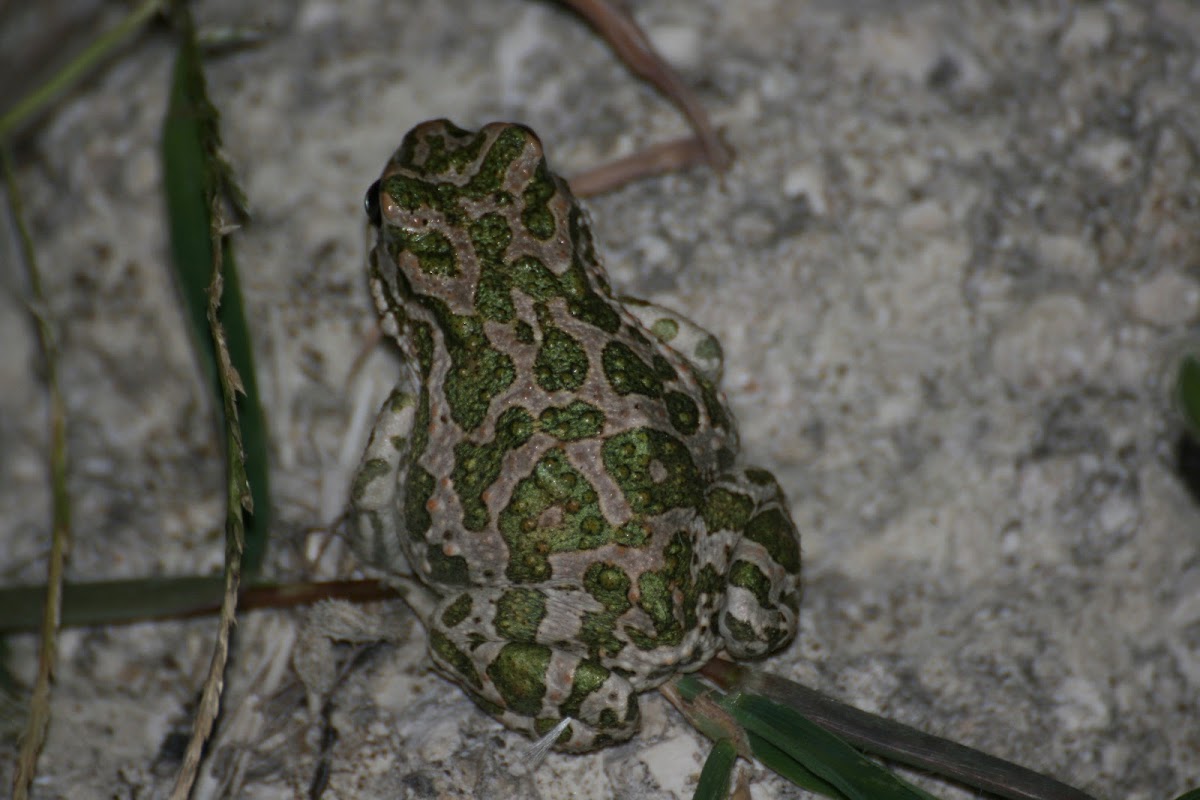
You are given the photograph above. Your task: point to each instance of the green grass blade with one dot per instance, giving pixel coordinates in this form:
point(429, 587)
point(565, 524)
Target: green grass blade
point(787, 743)
point(129, 600)
point(827, 756)
point(775, 759)
point(77, 68)
point(717, 772)
point(194, 175)
point(111, 602)
point(892, 741)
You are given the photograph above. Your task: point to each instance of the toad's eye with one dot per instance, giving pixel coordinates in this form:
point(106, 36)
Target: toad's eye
point(371, 204)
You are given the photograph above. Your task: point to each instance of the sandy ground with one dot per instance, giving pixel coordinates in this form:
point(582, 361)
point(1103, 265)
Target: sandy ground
point(955, 258)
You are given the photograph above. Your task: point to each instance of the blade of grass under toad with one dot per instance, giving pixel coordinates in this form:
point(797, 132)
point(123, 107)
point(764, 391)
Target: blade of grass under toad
point(789, 744)
point(195, 174)
point(703, 706)
point(894, 741)
point(819, 751)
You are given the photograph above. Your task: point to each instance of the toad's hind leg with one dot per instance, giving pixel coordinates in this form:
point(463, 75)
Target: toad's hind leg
point(762, 596)
point(507, 648)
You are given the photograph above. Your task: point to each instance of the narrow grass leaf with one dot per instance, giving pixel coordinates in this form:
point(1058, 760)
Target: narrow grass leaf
point(717, 772)
point(28, 107)
point(775, 759)
point(827, 756)
point(195, 174)
point(891, 740)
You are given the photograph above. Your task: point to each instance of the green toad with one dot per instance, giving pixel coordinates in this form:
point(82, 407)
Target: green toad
point(556, 466)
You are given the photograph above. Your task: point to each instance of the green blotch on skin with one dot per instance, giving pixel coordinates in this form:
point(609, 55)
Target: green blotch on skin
point(709, 581)
point(476, 467)
point(573, 422)
point(751, 578)
point(589, 307)
point(519, 612)
point(420, 430)
point(662, 368)
point(609, 718)
point(434, 253)
point(609, 585)
point(581, 234)
point(442, 160)
point(627, 373)
point(677, 557)
point(367, 474)
point(561, 363)
point(725, 510)
point(413, 194)
point(399, 400)
point(457, 611)
point(416, 497)
point(519, 674)
point(761, 477)
point(478, 371)
point(458, 661)
point(774, 531)
point(586, 302)
point(654, 470)
point(553, 510)
point(537, 217)
point(543, 725)
point(658, 592)
point(421, 336)
point(708, 349)
point(444, 569)
point(508, 147)
point(589, 677)
point(490, 237)
point(531, 276)
point(633, 534)
point(682, 412)
point(776, 637)
point(408, 148)
point(656, 600)
point(420, 484)
point(712, 402)
point(665, 329)
point(740, 630)
point(495, 709)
